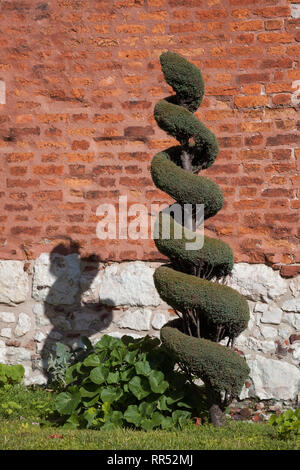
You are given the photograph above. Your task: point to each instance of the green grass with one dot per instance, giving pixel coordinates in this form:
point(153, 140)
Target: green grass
point(20, 435)
point(17, 432)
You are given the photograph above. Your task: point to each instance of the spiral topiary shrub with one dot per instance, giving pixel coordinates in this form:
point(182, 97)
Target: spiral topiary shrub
point(208, 312)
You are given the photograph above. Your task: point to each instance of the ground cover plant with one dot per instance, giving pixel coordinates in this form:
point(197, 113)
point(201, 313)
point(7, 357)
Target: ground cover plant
point(127, 382)
point(10, 375)
point(287, 423)
point(33, 403)
point(208, 312)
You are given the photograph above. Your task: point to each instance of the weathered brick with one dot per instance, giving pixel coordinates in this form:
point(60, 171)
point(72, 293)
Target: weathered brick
point(270, 12)
point(251, 101)
point(245, 204)
point(253, 77)
point(272, 25)
point(277, 192)
point(11, 183)
point(48, 170)
point(254, 154)
point(211, 14)
point(241, 13)
point(80, 145)
point(251, 25)
point(281, 99)
point(49, 195)
point(282, 63)
point(185, 27)
point(281, 37)
point(283, 139)
point(254, 140)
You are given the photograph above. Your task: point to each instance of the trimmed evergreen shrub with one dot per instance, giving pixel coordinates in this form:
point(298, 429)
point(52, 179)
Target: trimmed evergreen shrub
point(208, 311)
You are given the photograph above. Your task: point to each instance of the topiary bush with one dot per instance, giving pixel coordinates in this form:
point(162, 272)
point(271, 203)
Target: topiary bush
point(208, 311)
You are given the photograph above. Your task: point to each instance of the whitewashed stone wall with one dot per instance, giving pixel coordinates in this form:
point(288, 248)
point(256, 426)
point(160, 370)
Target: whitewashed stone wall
point(61, 298)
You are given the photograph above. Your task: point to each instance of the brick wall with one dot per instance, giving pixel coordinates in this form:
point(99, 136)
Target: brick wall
point(79, 80)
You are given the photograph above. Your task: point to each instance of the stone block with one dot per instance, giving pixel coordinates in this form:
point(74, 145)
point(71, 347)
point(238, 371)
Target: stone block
point(14, 282)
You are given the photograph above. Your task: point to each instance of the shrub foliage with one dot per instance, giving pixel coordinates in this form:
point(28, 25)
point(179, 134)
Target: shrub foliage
point(208, 311)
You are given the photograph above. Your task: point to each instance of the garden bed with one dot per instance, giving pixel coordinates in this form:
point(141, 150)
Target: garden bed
point(28, 427)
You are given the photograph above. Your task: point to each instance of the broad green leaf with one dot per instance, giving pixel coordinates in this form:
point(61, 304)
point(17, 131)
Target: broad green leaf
point(181, 417)
point(139, 386)
point(90, 401)
point(99, 374)
point(162, 403)
point(114, 417)
point(143, 368)
point(127, 374)
point(118, 354)
point(71, 374)
point(130, 356)
point(89, 416)
point(92, 360)
point(147, 424)
point(89, 390)
point(157, 419)
point(166, 422)
point(157, 382)
point(132, 415)
point(66, 403)
point(107, 342)
point(146, 408)
point(111, 394)
point(105, 407)
point(113, 378)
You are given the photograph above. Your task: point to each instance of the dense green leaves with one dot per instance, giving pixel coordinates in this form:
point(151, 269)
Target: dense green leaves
point(210, 311)
point(11, 374)
point(287, 424)
point(128, 382)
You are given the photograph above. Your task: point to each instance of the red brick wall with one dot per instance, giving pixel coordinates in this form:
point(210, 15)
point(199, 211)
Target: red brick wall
point(77, 129)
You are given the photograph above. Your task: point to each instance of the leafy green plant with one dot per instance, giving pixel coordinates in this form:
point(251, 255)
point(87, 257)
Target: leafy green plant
point(63, 358)
point(287, 424)
point(127, 382)
point(11, 375)
point(59, 363)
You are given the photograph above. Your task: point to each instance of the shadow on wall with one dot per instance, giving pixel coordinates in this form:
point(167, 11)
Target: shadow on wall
point(70, 305)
